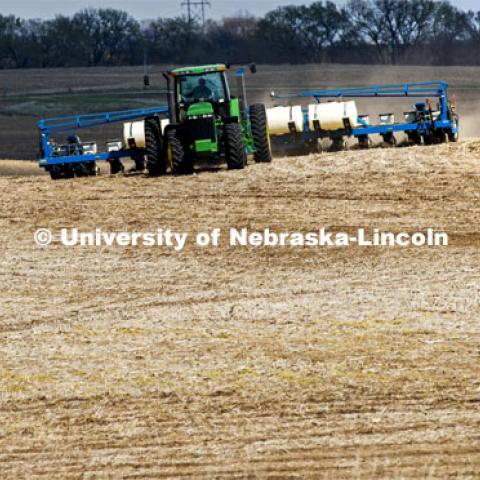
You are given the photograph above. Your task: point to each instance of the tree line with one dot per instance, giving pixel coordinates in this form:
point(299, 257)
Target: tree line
point(425, 32)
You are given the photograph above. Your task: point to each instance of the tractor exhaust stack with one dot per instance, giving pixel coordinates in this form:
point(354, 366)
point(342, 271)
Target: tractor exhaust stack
point(172, 114)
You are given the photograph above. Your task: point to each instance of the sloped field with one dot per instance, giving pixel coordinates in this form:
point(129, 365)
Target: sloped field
point(124, 362)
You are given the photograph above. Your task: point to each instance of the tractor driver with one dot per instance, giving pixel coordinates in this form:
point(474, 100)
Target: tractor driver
point(201, 90)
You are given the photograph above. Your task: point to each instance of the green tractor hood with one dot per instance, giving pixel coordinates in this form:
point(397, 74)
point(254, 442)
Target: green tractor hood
point(200, 108)
point(203, 146)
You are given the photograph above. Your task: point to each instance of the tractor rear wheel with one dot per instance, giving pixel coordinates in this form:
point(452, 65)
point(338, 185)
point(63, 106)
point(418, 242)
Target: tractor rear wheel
point(156, 161)
point(260, 133)
point(180, 162)
point(234, 148)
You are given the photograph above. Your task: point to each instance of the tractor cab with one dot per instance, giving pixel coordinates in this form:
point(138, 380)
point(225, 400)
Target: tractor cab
point(201, 90)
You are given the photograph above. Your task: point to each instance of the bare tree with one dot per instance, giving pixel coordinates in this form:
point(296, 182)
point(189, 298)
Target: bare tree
point(281, 30)
point(10, 28)
point(175, 40)
point(110, 35)
point(393, 25)
point(233, 38)
point(323, 26)
point(365, 31)
point(449, 27)
point(304, 33)
point(473, 25)
point(368, 25)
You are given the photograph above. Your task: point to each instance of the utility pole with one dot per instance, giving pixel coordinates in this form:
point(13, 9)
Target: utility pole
point(196, 10)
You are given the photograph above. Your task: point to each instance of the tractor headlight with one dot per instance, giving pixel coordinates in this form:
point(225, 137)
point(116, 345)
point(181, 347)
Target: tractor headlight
point(197, 117)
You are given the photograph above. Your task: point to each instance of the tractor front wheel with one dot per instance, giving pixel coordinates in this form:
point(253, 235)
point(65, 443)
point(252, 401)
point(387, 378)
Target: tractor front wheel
point(234, 148)
point(179, 161)
point(156, 162)
point(261, 137)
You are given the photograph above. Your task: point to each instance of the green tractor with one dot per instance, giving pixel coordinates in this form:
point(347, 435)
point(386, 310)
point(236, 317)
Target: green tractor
point(206, 122)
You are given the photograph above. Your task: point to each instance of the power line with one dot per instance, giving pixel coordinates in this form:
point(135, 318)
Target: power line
point(196, 9)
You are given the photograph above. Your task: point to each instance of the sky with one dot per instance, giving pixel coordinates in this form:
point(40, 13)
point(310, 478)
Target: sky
point(144, 9)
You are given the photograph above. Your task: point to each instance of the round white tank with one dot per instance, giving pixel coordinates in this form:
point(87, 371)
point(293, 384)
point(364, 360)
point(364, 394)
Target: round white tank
point(134, 131)
point(279, 119)
point(352, 113)
point(331, 115)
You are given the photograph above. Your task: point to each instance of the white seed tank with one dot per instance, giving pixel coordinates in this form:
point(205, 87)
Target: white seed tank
point(280, 118)
point(331, 115)
point(134, 132)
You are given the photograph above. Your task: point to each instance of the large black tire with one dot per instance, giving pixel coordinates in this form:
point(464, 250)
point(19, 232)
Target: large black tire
point(156, 161)
point(180, 162)
point(261, 138)
point(234, 149)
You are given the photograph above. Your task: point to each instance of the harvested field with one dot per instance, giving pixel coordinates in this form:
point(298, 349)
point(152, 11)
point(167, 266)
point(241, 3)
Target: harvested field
point(18, 168)
point(123, 362)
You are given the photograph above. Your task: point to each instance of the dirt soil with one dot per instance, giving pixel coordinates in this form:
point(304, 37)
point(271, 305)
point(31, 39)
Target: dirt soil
point(124, 362)
point(16, 168)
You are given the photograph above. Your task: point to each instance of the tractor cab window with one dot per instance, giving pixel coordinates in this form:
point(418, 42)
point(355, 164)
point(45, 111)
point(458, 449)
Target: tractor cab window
point(208, 87)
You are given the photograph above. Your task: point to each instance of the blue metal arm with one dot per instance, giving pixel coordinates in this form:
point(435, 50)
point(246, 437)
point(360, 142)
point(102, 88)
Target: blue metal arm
point(424, 89)
point(438, 89)
point(66, 124)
